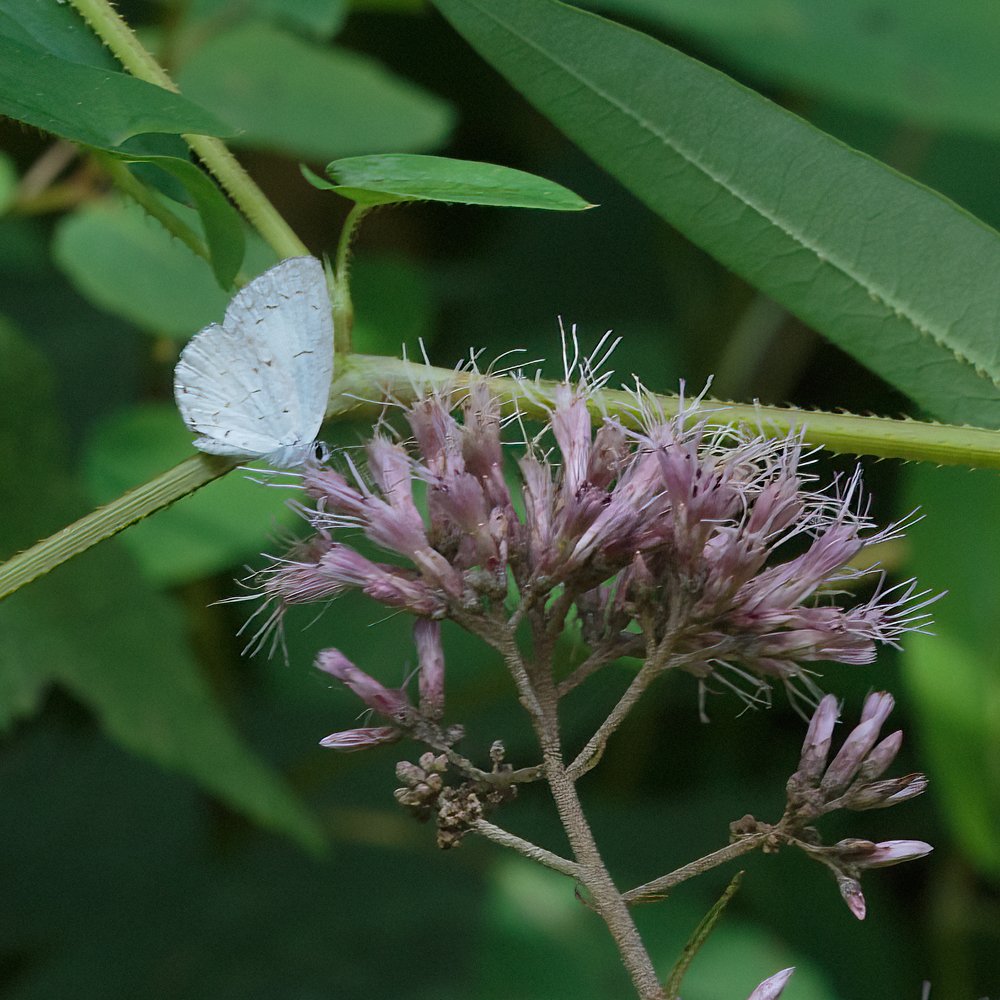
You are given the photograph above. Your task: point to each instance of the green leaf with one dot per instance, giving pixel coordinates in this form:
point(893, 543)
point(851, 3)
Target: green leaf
point(56, 28)
point(954, 674)
point(97, 107)
point(212, 530)
point(320, 18)
point(168, 289)
point(314, 102)
point(893, 273)
point(395, 177)
point(87, 626)
point(221, 223)
point(933, 64)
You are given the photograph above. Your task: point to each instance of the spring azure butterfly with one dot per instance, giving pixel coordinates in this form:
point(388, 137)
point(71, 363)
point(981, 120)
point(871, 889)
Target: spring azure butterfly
point(257, 386)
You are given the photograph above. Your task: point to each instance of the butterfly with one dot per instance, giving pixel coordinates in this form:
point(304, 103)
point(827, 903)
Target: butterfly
point(257, 385)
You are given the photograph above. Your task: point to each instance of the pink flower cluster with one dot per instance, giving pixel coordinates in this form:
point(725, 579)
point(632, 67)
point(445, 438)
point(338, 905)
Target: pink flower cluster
point(680, 537)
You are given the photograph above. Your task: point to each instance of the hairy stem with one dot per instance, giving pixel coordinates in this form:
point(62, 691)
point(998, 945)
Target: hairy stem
point(651, 892)
point(531, 851)
point(592, 872)
point(594, 750)
point(364, 380)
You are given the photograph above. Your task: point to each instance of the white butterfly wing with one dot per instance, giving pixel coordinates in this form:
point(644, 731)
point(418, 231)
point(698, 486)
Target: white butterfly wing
point(258, 385)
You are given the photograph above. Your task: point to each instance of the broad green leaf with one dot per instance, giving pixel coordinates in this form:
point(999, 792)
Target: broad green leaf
point(212, 530)
point(97, 107)
point(893, 273)
point(127, 263)
point(395, 177)
point(320, 18)
point(97, 629)
point(56, 28)
point(931, 63)
point(220, 222)
point(954, 674)
point(8, 181)
point(286, 94)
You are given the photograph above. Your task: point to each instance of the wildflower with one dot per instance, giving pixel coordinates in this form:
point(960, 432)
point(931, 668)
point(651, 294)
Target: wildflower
point(820, 786)
point(700, 546)
point(773, 986)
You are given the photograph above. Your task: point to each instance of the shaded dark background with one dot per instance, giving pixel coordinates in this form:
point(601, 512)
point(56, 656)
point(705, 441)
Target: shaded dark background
point(122, 879)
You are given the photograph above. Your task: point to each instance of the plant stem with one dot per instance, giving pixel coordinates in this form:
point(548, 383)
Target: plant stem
point(262, 215)
point(650, 892)
point(531, 851)
point(343, 307)
point(190, 475)
point(594, 750)
point(593, 873)
point(363, 380)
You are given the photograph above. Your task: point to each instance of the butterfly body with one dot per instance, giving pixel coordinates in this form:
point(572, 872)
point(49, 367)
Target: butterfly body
point(257, 385)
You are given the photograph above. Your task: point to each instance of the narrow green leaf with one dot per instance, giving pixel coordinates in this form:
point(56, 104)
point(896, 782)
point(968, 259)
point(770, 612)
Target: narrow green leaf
point(97, 107)
point(933, 64)
point(213, 530)
point(395, 177)
point(87, 627)
point(127, 263)
point(287, 94)
point(954, 674)
point(220, 221)
point(892, 272)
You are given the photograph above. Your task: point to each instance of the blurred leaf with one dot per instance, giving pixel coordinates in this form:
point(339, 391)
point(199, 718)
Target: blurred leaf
point(891, 272)
point(393, 305)
point(286, 94)
point(95, 627)
point(932, 63)
point(97, 107)
point(209, 531)
point(55, 28)
point(954, 674)
point(398, 177)
point(125, 262)
point(8, 181)
point(320, 18)
point(221, 223)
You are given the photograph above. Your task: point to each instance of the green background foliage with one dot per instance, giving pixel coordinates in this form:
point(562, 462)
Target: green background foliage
point(170, 828)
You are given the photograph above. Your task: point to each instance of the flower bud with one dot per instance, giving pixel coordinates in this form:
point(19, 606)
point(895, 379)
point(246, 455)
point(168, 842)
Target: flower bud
point(393, 704)
point(360, 739)
point(430, 655)
point(773, 986)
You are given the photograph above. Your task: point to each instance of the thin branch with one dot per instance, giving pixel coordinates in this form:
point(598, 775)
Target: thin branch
point(598, 658)
point(531, 851)
point(699, 937)
point(651, 892)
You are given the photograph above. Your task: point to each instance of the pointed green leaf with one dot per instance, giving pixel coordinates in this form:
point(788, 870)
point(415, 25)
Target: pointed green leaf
point(220, 221)
point(95, 627)
point(892, 272)
point(315, 102)
point(97, 107)
point(933, 64)
point(397, 177)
